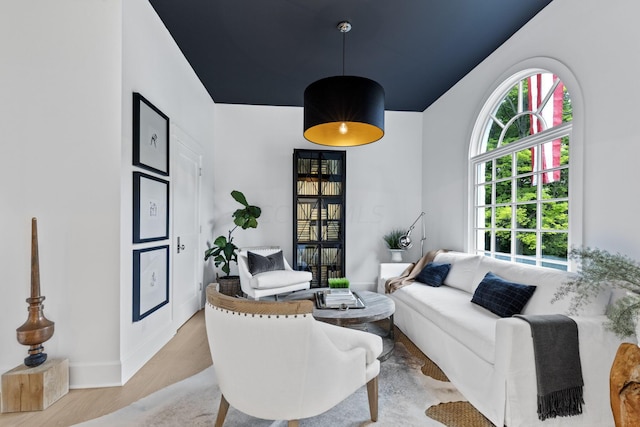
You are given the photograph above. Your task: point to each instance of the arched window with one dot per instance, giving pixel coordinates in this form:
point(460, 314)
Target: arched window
point(520, 172)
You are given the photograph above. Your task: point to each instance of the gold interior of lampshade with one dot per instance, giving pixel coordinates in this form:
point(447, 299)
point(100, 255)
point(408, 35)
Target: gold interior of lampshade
point(333, 134)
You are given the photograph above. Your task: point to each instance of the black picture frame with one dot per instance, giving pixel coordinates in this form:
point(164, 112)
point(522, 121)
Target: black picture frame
point(150, 136)
point(150, 208)
point(150, 280)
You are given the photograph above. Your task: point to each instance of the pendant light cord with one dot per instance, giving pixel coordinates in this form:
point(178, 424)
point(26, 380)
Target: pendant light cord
point(344, 43)
point(344, 28)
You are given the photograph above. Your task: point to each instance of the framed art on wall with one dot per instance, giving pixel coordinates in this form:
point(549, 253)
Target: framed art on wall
point(150, 208)
point(150, 280)
point(150, 136)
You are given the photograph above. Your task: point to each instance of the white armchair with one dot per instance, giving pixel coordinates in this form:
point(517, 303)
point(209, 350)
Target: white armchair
point(274, 361)
point(269, 282)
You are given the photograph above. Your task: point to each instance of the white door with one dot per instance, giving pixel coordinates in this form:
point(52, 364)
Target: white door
point(187, 270)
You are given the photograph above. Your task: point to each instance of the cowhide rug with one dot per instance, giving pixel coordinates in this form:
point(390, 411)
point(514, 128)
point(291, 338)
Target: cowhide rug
point(405, 393)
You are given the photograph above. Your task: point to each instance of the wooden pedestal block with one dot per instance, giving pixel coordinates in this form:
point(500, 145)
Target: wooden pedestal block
point(35, 389)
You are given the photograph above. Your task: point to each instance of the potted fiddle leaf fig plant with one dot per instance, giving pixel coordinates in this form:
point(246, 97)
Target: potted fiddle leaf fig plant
point(224, 250)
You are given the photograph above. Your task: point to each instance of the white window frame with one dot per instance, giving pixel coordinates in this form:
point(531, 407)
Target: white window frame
point(572, 129)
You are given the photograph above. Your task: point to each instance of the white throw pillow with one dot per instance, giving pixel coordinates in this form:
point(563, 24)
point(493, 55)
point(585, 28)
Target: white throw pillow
point(463, 269)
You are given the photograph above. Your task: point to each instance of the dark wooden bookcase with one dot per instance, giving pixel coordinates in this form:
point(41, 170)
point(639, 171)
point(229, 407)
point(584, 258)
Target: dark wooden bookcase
point(319, 183)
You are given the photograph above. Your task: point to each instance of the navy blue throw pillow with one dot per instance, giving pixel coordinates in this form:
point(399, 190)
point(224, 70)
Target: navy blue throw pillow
point(433, 274)
point(502, 297)
point(260, 264)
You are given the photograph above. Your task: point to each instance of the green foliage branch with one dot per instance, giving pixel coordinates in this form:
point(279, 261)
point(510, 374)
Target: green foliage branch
point(224, 250)
point(599, 269)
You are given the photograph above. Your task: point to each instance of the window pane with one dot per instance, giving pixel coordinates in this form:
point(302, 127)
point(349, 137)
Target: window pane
point(503, 217)
point(481, 238)
point(517, 130)
point(560, 100)
point(331, 188)
point(483, 172)
point(331, 229)
point(503, 192)
point(523, 158)
point(504, 257)
point(331, 262)
point(508, 107)
point(307, 187)
point(554, 246)
point(503, 241)
point(564, 151)
point(486, 212)
point(555, 215)
point(487, 240)
point(557, 189)
point(307, 225)
point(554, 265)
point(483, 196)
point(526, 191)
point(526, 216)
point(529, 261)
point(526, 244)
point(503, 167)
point(494, 134)
point(308, 260)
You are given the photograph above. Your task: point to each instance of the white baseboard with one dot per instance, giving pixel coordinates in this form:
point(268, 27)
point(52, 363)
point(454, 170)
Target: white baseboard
point(92, 375)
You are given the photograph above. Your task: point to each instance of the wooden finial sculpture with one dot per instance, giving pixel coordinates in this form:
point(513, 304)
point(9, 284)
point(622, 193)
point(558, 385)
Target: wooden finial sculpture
point(37, 329)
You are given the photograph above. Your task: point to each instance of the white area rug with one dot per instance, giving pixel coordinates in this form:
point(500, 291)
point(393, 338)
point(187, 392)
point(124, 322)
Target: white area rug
point(405, 393)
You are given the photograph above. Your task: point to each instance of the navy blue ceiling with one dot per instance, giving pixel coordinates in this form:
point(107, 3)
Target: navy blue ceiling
point(266, 52)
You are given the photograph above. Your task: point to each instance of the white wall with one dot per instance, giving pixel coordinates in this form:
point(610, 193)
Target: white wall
point(594, 41)
point(68, 70)
point(254, 154)
point(155, 67)
point(60, 161)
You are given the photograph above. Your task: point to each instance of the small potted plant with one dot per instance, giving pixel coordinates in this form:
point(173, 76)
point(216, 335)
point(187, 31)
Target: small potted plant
point(599, 269)
point(338, 283)
point(392, 240)
point(224, 250)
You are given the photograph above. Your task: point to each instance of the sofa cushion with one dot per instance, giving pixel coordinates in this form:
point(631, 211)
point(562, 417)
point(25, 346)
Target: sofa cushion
point(259, 264)
point(463, 268)
point(502, 297)
point(279, 278)
point(452, 311)
point(433, 274)
point(546, 280)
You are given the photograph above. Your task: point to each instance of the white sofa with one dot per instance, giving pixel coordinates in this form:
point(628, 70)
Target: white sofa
point(490, 359)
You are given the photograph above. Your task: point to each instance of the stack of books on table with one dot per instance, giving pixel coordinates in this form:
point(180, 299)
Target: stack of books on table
point(337, 297)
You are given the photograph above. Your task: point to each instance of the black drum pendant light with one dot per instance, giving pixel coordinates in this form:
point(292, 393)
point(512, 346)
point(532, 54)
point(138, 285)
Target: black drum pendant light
point(344, 111)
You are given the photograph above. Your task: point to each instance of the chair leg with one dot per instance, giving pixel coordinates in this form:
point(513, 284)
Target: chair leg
point(372, 393)
point(293, 423)
point(222, 411)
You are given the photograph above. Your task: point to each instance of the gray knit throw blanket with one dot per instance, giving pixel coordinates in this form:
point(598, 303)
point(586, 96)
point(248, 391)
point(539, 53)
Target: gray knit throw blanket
point(558, 368)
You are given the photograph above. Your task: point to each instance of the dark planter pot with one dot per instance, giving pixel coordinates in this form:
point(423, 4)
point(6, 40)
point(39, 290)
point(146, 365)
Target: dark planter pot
point(230, 285)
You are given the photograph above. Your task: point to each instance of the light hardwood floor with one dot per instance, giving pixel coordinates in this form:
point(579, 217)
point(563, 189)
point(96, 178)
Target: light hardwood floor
point(186, 354)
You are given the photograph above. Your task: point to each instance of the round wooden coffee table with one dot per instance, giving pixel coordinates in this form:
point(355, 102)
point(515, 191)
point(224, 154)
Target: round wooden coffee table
point(378, 307)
